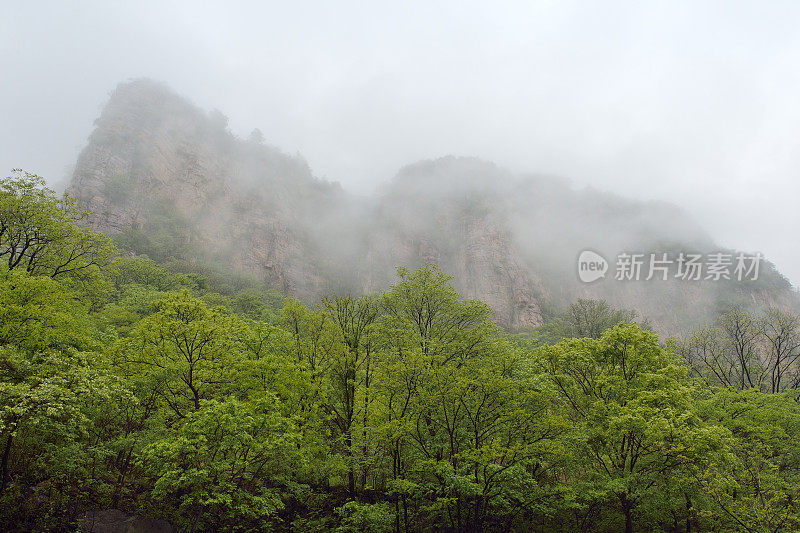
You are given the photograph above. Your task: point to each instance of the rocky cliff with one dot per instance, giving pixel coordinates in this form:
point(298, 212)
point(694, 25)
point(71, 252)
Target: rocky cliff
point(170, 180)
point(157, 163)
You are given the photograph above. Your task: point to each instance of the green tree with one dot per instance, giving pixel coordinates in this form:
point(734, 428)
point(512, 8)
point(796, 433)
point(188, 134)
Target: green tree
point(227, 467)
point(637, 433)
point(185, 351)
point(41, 233)
point(351, 373)
point(466, 424)
point(57, 404)
point(755, 486)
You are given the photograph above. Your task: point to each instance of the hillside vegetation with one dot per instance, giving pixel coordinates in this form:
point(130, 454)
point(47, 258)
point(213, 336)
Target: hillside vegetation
point(207, 399)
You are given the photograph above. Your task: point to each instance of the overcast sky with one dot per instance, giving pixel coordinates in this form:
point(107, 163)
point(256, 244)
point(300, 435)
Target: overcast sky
point(692, 102)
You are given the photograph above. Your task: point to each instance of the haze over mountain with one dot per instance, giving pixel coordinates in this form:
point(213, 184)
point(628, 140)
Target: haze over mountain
point(169, 180)
point(690, 102)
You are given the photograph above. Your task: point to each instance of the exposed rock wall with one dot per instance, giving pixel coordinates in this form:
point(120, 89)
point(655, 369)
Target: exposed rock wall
point(156, 161)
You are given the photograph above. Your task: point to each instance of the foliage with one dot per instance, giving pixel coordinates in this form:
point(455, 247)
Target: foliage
point(224, 467)
point(585, 319)
point(41, 234)
point(186, 350)
point(207, 400)
point(636, 430)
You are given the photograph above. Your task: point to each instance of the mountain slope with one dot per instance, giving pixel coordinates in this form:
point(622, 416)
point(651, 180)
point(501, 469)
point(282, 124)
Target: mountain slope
point(170, 180)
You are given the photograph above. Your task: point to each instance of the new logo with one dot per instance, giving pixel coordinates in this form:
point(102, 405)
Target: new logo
point(591, 266)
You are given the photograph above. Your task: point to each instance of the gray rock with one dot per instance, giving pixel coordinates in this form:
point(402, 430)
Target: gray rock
point(116, 521)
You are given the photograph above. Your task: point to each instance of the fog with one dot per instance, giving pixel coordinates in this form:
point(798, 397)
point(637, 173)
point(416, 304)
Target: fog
point(689, 102)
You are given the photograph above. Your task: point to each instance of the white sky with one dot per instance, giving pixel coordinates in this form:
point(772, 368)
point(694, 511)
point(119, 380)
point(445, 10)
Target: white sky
point(692, 102)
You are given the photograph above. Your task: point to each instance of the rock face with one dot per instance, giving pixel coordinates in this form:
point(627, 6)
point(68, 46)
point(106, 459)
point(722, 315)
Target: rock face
point(169, 179)
point(154, 156)
point(446, 212)
point(116, 521)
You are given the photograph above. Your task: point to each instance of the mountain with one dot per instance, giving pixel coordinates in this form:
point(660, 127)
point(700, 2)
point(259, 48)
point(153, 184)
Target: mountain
point(169, 180)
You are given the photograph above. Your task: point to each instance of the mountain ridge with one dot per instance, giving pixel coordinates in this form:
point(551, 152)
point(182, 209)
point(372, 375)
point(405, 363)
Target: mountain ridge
point(168, 179)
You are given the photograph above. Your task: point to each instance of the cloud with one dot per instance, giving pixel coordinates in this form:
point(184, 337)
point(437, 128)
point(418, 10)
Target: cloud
point(691, 102)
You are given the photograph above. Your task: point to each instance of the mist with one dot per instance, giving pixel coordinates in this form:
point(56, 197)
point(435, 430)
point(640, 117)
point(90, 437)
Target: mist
point(691, 102)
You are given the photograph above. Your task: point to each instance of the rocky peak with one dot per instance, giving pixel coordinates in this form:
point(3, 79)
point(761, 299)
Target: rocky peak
point(170, 180)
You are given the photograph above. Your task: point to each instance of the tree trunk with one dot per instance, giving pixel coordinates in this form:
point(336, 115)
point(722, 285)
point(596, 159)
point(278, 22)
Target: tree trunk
point(365, 422)
point(627, 508)
point(351, 478)
point(4, 475)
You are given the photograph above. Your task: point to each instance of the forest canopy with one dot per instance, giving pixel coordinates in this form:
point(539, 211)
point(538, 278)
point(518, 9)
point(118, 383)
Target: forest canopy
point(216, 405)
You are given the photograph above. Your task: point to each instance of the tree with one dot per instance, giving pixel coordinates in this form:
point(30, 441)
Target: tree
point(465, 430)
point(184, 350)
point(781, 333)
point(423, 312)
point(748, 351)
point(755, 486)
point(351, 375)
point(740, 334)
point(256, 137)
point(586, 319)
point(706, 354)
point(227, 466)
point(41, 233)
point(637, 433)
point(57, 404)
point(591, 318)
